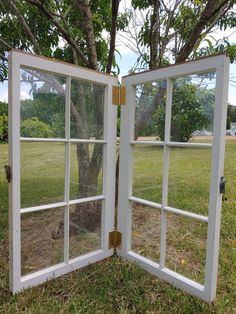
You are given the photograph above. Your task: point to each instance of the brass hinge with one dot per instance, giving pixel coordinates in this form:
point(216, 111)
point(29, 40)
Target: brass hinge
point(114, 239)
point(8, 173)
point(118, 95)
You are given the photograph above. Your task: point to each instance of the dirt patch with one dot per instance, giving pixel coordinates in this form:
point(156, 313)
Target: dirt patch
point(146, 231)
point(38, 247)
point(186, 241)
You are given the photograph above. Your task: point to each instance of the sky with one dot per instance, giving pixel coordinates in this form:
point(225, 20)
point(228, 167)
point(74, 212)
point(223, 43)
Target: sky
point(126, 59)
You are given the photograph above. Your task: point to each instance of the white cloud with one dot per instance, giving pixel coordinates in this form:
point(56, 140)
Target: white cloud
point(24, 95)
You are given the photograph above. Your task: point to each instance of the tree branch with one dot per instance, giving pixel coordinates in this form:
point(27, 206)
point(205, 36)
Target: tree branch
point(65, 34)
point(154, 34)
point(115, 8)
point(14, 9)
point(167, 37)
point(5, 43)
point(86, 15)
point(207, 15)
point(3, 57)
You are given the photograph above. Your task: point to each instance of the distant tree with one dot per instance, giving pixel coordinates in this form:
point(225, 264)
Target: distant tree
point(231, 115)
point(49, 108)
point(35, 128)
point(192, 112)
point(3, 108)
point(3, 129)
point(3, 122)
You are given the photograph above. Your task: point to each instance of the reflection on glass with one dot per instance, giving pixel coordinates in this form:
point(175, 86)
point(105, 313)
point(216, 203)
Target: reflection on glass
point(85, 170)
point(150, 111)
point(39, 248)
point(87, 110)
point(85, 228)
point(42, 104)
point(193, 108)
point(42, 173)
point(189, 179)
point(146, 227)
point(186, 246)
point(147, 172)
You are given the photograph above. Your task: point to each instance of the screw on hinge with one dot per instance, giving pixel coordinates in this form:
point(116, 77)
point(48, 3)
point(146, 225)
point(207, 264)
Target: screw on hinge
point(8, 173)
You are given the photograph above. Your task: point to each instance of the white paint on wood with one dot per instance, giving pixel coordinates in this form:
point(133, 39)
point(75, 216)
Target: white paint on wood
point(217, 171)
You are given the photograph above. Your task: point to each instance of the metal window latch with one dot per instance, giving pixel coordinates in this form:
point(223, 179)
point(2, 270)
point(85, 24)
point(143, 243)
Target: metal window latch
point(8, 173)
point(222, 185)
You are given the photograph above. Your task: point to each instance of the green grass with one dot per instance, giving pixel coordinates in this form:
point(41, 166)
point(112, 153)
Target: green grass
point(40, 160)
point(114, 285)
point(189, 176)
point(189, 184)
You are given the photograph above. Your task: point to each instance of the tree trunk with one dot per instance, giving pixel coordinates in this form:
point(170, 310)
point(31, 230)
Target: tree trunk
point(87, 100)
point(87, 216)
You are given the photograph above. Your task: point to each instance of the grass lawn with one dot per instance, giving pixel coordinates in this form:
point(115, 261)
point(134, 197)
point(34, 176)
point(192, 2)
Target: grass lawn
point(114, 285)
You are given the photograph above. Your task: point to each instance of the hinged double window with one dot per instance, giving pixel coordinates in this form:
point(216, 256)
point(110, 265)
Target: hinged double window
point(63, 154)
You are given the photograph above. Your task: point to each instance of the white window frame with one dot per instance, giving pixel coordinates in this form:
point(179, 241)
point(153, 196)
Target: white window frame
point(18, 60)
point(220, 64)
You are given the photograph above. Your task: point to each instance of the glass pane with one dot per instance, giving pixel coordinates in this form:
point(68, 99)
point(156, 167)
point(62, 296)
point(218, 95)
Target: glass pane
point(85, 170)
point(87, 114)
point(150, 111)
point(147, 172)
point(186, 246)
point(189, 179)
point(42, 173)
point(146, 227)
point(85, 228)
point(193, 108)
point(42, 98)
point(39, 247)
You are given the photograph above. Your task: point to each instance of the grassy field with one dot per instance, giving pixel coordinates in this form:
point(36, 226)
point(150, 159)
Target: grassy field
point(114, 285)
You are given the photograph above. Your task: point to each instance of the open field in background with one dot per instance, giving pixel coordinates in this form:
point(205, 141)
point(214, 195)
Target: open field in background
point(46, 160)
point(115, 286)
point(189, 176)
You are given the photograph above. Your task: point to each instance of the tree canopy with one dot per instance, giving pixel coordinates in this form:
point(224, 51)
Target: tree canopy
point(84, 32)
point(174, 31)
point(192, 112)
point(72, 31)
